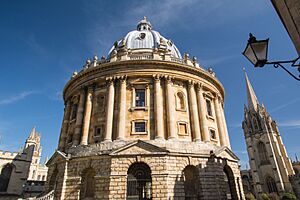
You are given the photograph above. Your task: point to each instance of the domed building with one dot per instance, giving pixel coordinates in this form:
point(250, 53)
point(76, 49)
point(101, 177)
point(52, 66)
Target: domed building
point(144, 123)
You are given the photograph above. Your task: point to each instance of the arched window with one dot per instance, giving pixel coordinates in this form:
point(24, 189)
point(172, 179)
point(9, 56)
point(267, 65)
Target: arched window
point(180, 101)
point(53, 180)
point(255, 124)
point(229, 183)
point(88, 184)
point(5, 177)
point(191, 182)
point(262, 152)
point(271, 184)
point(139, 182)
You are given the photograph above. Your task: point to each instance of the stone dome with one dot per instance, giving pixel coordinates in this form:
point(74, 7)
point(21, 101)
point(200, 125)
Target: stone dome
point(144, 39)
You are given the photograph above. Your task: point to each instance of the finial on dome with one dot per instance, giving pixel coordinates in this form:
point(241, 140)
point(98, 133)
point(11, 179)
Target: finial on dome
point(95, 60)
point(74, 74)
point(144, 25)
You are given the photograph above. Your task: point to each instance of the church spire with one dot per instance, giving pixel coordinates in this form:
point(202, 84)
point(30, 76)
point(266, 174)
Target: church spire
point(32, 133)
point(252, 99)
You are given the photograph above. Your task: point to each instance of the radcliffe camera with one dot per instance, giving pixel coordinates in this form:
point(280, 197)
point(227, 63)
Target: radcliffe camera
point(150, 100)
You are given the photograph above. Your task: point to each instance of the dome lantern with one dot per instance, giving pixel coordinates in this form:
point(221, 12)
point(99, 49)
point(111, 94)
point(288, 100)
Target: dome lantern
point(144, 24)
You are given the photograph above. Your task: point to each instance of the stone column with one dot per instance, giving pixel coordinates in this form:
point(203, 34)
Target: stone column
point(122, 109)
point(219, 119)
point(109, 110)
point(158, 109)
point(87, 116)
point(79, 118)
point(170, 108)
point(225, 126)
point(64, 126)
point(194, 112)
point(202, 111)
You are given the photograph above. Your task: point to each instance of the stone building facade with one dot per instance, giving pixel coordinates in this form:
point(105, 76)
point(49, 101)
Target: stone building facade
point(269, 162)
point(289, 13)
point(16, 168)
point(144, 123)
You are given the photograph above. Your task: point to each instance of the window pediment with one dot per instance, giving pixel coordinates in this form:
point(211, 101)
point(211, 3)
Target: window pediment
point(139, 81)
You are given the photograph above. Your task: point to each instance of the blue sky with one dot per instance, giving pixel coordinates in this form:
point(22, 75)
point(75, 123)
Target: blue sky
point(43, 42)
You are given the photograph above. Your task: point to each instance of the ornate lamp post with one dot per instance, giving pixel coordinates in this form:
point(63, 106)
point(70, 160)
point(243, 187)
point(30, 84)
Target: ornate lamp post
point(256, 52)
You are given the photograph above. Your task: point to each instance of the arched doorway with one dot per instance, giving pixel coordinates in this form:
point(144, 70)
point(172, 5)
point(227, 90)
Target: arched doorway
point(139, 182)
point(5, 177)
point(87, 190)
point(191, 183)
point(229, 183)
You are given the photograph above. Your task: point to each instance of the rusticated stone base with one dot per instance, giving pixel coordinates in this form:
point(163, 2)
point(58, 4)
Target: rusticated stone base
point(167, 166)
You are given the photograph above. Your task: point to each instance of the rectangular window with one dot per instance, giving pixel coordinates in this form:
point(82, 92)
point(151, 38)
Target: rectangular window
point(100, 102)
point(140, 127)
point(208, 108)
point(74, 111)
point(98, 134)
point(183, 129)
point(212, 134)
point(140, 98)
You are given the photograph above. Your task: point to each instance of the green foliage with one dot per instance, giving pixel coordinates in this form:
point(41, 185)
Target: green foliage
point(288, 196)
point(264, 196)
point(249, 196)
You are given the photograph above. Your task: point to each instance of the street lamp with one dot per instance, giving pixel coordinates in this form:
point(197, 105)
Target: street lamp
point(256, 52)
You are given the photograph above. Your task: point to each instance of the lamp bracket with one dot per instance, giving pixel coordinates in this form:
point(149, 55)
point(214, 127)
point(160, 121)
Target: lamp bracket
point(294, 63)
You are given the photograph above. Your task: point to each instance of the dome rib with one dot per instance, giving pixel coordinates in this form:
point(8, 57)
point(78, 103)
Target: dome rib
point(145, 38)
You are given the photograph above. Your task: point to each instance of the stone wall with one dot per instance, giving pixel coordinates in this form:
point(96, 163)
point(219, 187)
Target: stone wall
point(166, 171)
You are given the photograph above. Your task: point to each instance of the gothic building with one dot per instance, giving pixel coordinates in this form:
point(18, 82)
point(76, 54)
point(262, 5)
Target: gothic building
point(19, 168)
point(269, 162)
point(144, 123)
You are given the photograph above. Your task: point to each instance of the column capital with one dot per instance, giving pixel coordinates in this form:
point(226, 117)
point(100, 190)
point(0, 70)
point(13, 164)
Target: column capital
point(157, 77)
point(121, 78)
point(90, 88)
point(191, 83)
point(199, 86)
point(168, 78)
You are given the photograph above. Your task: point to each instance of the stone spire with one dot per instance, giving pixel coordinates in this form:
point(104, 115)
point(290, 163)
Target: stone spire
point(32, 134)
point(252, 99)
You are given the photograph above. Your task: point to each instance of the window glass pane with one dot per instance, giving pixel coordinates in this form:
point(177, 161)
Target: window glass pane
point(208, 107)
point(182, 129)
point(140, 98)
point(140, 126)
point(212, 134)
point(74, 111)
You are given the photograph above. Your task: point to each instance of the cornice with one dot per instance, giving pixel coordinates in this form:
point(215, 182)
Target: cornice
point(122, 67)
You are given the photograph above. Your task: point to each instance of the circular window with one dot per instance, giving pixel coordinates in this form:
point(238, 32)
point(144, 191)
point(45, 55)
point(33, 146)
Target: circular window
point(142, 35)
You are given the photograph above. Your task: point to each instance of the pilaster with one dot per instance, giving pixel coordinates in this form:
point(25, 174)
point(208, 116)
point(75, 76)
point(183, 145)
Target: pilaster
point(194, 112)
point(79, 118)
point(202, 111)
point(158, 108)
point(64, 127)
point(109, 109)
point(222, 136)
point(170, 108)
point(87, 116)
point(122, 109)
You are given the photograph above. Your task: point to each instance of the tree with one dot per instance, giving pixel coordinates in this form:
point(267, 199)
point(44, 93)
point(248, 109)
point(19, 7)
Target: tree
point(288, 196)
point(249, 196)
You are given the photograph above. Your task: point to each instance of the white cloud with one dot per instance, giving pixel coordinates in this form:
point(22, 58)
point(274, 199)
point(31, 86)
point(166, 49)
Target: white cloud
point(16, 97)
point(284, 105)
point(290, 123)
point(186, 14)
